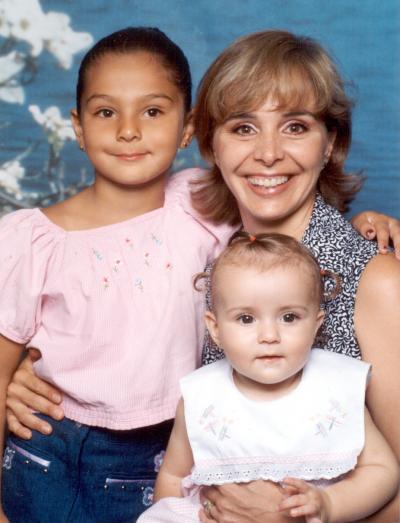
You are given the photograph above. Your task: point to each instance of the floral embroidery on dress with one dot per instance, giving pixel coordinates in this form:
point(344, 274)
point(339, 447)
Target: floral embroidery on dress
point(158, 460)
point(8, 458)
point(129, 242)
point(168, 265)
point(147, 259)
point(106, 282)
point(326, 422)
point(148, 494)
point(214, 424)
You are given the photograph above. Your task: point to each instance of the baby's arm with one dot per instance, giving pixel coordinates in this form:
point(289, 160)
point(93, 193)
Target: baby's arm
point(360, 493)
point(10, 355)
point(178, 460)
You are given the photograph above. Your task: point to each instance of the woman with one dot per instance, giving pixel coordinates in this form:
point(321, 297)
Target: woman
point(274, 122)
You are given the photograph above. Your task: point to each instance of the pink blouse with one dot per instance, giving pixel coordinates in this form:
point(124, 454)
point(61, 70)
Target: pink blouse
point(112, 309)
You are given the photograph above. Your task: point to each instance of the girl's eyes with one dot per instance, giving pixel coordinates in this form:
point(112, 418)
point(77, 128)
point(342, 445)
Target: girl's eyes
point(105, 113)
point(289, 317)
point(153, 112)
point(246, 319)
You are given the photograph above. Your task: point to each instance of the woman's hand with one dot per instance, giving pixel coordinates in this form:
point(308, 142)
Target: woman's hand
point(374, 225)
point(254, 502)
point(27, 392)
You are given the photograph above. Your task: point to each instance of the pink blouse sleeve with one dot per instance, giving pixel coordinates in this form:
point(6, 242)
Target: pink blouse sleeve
point(179, 189)
point(26, 243)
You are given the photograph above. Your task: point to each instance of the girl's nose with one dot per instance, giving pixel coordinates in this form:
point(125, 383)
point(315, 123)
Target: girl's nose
point(128, 130)
point(268, 148)
point(268, 332)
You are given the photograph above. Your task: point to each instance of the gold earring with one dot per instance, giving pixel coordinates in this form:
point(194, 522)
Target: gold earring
point(81, 147)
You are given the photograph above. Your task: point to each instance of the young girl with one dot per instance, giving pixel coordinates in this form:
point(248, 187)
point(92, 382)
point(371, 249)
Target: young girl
point(274, 409)
point(101, 283)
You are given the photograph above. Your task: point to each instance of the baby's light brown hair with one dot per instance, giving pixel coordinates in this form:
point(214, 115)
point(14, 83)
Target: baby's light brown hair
point(269, 251)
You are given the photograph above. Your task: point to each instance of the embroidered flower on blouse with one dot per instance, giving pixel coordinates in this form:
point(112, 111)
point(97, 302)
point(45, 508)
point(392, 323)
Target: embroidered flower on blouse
point(147, 259)
point(117, 265)
point(156, 240)
point(106, 282)
point(148, 493)
point(129, 242)
point(8, 457)
point(98, 254)
point(158, 459)
point(168, 265)
point(139, 284)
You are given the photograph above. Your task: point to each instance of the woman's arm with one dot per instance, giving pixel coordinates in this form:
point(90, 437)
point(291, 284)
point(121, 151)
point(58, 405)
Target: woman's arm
point(385, 229)
point(10, 355)
point(27, 392)
point(377, 321)
point(178, 460)
point(361, 492)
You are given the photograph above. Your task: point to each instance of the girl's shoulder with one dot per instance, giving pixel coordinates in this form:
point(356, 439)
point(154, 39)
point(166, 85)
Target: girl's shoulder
point(178, 198)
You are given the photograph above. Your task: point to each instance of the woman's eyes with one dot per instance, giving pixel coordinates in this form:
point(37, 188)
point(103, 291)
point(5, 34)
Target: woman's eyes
point(246, 319)
point(296, 128)
point(243, 130)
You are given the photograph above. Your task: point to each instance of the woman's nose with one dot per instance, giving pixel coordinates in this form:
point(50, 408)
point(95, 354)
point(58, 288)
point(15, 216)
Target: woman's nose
point(268, 148)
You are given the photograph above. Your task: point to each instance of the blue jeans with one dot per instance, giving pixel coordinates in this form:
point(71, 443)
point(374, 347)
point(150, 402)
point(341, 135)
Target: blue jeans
point(82, 474)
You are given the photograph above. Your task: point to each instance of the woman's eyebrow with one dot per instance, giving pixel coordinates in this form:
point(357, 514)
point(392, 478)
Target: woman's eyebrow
point(240, 116)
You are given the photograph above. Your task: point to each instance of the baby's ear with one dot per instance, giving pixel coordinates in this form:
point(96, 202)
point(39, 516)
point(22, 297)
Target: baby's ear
point(212, 326)
point(320, 319)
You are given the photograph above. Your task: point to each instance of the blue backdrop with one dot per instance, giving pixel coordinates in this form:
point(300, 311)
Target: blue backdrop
point(40, 50)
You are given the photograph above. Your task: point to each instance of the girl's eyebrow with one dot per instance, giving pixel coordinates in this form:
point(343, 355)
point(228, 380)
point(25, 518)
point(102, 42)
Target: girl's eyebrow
point(149, 96)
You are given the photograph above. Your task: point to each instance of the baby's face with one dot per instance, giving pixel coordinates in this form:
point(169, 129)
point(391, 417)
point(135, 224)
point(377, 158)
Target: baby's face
point(266, 323)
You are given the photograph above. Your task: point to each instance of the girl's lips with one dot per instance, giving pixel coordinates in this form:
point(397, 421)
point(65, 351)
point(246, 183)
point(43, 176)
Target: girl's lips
point(131, 156)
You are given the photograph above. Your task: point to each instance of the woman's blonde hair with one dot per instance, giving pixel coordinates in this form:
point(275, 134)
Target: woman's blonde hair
point(294, 71)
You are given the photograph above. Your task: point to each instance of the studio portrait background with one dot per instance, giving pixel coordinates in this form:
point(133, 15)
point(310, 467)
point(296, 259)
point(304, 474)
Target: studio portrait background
point(42, 43)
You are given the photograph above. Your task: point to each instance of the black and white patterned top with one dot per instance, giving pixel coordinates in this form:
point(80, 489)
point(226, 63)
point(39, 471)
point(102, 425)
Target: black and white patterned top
point(338, 248)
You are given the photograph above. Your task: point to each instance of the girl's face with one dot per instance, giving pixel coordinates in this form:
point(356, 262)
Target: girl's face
point(132, 119)
point(265, 322)
point(271, 159)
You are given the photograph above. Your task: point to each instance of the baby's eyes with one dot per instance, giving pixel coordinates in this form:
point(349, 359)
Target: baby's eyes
point(246, 319)
point(289, 317)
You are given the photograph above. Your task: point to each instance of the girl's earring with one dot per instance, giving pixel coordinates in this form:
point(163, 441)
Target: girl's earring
point(81, 147)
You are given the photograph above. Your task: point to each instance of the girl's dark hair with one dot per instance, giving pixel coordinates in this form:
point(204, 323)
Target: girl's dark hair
point(147, 39)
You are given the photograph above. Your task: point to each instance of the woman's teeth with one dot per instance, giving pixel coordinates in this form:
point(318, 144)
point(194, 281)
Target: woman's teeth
point(272, 181)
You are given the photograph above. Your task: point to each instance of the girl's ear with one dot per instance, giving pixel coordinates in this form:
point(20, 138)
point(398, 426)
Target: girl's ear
point(212, 326)
point(76, 124)
point(188, 131)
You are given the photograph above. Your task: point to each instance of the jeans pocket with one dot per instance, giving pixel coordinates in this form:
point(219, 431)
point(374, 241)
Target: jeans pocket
point(27, 457)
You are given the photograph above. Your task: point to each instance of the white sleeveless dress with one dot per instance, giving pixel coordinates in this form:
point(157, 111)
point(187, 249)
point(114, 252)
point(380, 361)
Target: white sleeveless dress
point(315, 432)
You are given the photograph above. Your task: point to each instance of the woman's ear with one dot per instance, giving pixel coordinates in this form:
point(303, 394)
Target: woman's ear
point(188, 131)
point(76, 124)
point(212, 326)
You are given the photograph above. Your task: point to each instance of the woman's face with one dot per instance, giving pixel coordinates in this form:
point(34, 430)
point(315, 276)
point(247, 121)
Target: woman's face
point(271, 159)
